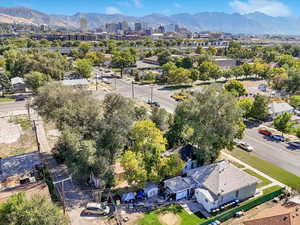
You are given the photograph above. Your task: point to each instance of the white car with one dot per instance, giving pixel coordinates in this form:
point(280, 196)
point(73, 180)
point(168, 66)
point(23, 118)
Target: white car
point(245, 146)
point(106, 81)
point(94, 208)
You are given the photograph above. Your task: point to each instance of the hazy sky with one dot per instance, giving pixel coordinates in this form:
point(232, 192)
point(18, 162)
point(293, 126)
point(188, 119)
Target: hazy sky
point(143, 7)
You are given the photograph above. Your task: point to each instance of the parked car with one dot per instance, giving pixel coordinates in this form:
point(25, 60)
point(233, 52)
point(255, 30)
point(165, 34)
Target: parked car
point(265, 132)
point(295, 144)
point(216, 222)
point(20, 98)
point(106, 81)
point(153, 103)
point(239, 214)
point(297, 112)
point(245, 146)
point(278, 138)
point(93, 208)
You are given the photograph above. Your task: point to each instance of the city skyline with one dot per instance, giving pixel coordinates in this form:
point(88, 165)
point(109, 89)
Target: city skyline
point(168, 7)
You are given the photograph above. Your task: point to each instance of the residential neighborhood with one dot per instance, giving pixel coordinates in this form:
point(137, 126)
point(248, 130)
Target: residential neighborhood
point(147, 125)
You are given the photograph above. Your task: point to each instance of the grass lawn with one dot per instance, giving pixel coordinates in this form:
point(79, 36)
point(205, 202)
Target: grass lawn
point(270, 169)
point(264, 181)
point(271, 189)
point(186, 219)
point(237, 164)
point(7, 99)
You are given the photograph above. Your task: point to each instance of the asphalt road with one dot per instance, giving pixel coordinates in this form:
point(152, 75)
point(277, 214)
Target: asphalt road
point(12, 106)
point(142, 93)
point(278, 153)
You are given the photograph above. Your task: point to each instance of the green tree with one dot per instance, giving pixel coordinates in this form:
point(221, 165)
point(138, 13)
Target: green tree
point(298, 132)
point(246, 105)
point(112, 133)
point(83, 67)
point(179, 76)
point(262, 70)
point(236, 88)
point(84, 48)
point(283, 122)
point(295, 101)
point(209, 70)
point(19, 210)
point(2, 63)
point(248, 69)
point(123, 59)
point(35, 80)
point(285, 60)
point(145, 162)
point(292, 83)
point(97, 58)
point(163, 57)
point(187, 62)
point(212, 50)
point(160, 117)
point(195, 74)
point(200, 50)
point(237, 72)
point(210, 121)
point(260, 108)
point(134, 167)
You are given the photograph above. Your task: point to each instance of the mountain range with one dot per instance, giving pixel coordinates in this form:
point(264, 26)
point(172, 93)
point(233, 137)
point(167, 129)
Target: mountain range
point(254, 23)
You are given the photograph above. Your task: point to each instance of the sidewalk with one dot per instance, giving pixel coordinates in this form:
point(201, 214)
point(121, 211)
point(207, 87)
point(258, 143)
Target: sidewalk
point(274, 182)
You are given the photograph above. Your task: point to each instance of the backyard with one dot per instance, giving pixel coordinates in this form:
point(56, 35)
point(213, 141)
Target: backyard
point(179, 217)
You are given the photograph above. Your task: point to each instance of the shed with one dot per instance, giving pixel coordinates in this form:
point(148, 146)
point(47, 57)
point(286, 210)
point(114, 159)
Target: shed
point(180, 187)
point(151, 190)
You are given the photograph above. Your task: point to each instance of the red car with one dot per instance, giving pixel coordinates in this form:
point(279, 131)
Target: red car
point(265, 132)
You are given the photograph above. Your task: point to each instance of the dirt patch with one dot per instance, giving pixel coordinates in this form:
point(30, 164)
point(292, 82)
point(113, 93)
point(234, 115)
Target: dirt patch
point(25, 140)
point(169, 219)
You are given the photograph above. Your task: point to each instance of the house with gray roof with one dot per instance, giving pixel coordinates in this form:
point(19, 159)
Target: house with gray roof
point(76, 83)
point(18, 85)
point(278, 108)
point(220, 183)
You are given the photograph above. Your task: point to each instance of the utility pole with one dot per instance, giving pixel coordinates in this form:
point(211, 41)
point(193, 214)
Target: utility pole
point(115, 83)
point(96, 82)
point(151, 96)
point(132, 87)
point(62, 195)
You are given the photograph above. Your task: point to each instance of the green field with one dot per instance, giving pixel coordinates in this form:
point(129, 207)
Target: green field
point(270, 169)
point(186, 219)
point(264, 181)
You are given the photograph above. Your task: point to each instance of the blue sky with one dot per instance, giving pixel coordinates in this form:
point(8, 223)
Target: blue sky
point(144, 7)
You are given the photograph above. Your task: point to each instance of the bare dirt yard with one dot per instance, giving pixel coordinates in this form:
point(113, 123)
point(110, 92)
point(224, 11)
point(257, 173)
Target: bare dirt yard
point(16, 136)
point(169, 219)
